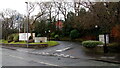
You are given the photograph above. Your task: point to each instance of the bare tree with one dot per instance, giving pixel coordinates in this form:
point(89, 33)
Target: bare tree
point(63, 7)
point(11, 16)
point(31, 7)
point(8, 18)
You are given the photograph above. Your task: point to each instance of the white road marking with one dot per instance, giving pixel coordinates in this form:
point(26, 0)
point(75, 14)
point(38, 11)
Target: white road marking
point(33, 60)
point(45, 53)
point(21, 50)
point(47, 63)
point(63, 49)
point(17, 57)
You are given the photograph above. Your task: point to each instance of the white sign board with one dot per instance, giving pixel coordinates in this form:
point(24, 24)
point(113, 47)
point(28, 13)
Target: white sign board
point(102, 39)
point(25, 36)
point(38, 39)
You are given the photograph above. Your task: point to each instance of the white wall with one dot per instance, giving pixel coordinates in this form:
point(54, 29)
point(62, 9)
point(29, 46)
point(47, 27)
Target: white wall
point(38, 39)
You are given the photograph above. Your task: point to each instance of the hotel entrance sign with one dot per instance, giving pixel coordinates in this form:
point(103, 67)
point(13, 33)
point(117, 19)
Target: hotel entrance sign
point(102, 38)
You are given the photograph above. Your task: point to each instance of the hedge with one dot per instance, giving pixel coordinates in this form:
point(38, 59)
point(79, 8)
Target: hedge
point(114, 47)
point(91, 44)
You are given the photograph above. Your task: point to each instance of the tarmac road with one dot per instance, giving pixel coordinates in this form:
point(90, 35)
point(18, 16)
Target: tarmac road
point(17, 58)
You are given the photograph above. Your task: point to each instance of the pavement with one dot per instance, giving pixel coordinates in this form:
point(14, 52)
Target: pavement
point(71, 50)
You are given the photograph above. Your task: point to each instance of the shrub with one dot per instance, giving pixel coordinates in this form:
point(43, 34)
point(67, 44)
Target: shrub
point(114, 47)
point(16, 37)
point(91, 44)
point(3, 41)
point(79, 40)
point(56, 37)
point(89, 37)
point(52, 34)
point(74, 34)
point(13, 37)
point(38, 35)
point(30, 38)
point(64, 38)
point(10, 38)
point(30, 41)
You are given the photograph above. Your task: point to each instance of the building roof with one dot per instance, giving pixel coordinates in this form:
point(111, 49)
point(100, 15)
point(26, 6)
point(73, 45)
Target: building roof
point(59, 24)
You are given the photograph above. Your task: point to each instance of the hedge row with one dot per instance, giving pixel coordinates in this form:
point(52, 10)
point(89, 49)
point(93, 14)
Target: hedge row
point(91, 44)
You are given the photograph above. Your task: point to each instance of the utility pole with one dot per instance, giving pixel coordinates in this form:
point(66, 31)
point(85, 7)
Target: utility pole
point(27, 22)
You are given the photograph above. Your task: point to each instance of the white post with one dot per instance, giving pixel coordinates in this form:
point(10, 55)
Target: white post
point(27, 22)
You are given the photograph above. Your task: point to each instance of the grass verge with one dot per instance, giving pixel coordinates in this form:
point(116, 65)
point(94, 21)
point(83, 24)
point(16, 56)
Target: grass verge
point(50, 43)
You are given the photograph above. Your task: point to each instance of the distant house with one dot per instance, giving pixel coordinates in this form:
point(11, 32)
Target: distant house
point(59, 24)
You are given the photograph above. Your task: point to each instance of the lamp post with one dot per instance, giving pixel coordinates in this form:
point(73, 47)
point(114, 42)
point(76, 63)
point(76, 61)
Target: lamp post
point(46, 33)
point(105, 44)
point(49, 34)
point(27, 22)
point(105, 49)
point(96, 28)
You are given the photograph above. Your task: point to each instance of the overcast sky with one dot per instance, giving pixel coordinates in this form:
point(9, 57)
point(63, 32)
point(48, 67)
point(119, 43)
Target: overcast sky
point(20, 5)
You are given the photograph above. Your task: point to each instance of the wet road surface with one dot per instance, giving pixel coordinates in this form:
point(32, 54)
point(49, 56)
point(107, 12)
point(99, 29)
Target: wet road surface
point(19, 58)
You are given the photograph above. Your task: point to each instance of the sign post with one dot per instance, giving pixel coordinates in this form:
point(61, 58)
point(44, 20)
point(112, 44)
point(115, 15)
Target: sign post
point(105, 39)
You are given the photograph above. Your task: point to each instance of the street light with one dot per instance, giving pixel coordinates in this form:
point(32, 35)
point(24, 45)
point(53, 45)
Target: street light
point(27, 22)
point(105, 49)
point(49, 31)
point(45, 31)
point(96, 26)
point(105, 45)
point(49, 34)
